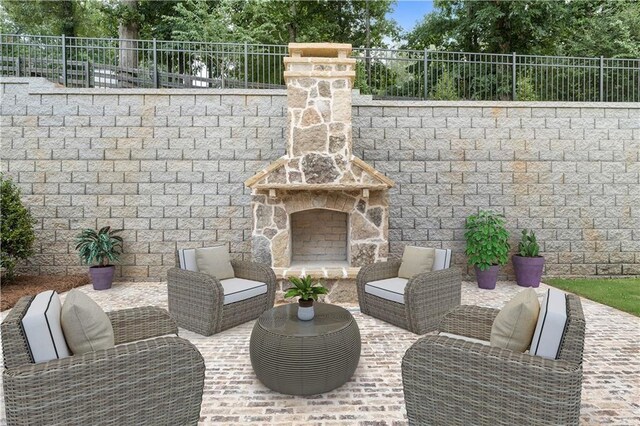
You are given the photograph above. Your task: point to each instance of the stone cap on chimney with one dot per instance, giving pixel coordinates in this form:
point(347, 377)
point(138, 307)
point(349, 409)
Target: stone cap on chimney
point(320, 50)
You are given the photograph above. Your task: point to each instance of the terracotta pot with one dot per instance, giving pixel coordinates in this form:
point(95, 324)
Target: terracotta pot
point(528, 270)
point(305, 310)
point(487, 279)
point(102, 276)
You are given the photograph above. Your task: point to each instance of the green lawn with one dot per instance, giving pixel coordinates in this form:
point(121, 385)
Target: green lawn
point(623, 294)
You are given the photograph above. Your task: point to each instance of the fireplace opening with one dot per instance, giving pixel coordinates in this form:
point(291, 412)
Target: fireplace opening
point(319, 236)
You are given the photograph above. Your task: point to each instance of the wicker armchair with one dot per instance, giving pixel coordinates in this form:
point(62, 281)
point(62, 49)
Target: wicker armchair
point(427, 296)
point(158, 381)
point(196, 300)
point(455, 382)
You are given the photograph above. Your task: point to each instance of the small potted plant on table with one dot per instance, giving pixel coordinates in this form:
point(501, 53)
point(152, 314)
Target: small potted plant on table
point(101, 247)
point(487, 246)
point(527, 263)
point(308, 290)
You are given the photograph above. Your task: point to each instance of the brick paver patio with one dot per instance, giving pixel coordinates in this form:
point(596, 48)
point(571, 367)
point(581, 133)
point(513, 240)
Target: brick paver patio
point(233, 395)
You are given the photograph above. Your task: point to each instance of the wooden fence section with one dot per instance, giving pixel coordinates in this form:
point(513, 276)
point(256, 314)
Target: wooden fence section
point(89, 74)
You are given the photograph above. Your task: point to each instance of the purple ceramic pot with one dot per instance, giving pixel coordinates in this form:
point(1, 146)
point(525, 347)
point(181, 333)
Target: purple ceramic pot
point(487, 279)
point(102, 276)
point(528, 270)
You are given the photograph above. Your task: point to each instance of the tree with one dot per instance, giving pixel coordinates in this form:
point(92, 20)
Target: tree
point(73, 18)
point(494, 26)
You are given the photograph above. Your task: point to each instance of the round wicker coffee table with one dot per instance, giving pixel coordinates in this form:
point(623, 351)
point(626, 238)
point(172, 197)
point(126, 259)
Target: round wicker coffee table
point(305, 357)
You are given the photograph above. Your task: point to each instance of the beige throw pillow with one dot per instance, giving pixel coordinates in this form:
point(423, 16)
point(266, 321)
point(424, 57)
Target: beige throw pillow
point(514, 325)
point(416, 260)
point(214, 261)
point(86, 327)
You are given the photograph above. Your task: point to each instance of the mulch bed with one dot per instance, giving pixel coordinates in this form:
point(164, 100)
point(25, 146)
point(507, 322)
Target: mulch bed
point(30, 285)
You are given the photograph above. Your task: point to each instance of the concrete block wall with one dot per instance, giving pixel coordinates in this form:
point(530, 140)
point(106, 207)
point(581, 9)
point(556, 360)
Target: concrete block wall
point(569, 171)
point(168, 166)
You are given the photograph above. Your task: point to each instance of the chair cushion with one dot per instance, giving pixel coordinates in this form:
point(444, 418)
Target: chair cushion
point(187, 259)
point(514, 325)
point(86, 327)
point(237, 289)
point(442, 259)
point(465, 338)
point(390, 289)
point(416, 260)
point(215, 262)
point(41, 325)
point(551, 324)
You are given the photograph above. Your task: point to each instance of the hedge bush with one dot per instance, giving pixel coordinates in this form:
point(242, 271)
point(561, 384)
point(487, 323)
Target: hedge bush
point(16, 229)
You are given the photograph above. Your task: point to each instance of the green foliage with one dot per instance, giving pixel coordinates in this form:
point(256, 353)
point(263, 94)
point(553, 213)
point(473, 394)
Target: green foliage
point(528, 246)
point(525, 91)
point(487, 240)
point(16, 229)
point(446, 88)
point(305, 288)
point(102, 247)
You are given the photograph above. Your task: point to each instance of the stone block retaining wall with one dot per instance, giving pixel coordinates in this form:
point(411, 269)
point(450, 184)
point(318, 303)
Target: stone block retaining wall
point(168, 166)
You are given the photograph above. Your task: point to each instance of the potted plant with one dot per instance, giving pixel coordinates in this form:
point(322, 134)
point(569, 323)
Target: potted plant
point(308, 290)
point(527, 263)
point(100, 248)
point(487, 246)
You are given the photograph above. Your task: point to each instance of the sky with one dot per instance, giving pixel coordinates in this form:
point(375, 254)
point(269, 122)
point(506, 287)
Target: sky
point(409, 12)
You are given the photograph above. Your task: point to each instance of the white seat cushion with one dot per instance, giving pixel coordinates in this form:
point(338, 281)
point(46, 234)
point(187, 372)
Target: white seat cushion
point(237, 289)
point(42, 328)
point(391, 289)
point(465, 338)
point(442, 259)
point(550, 326)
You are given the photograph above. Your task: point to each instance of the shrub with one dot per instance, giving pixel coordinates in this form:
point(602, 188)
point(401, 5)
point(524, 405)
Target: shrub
point(525, 91)
point(446, 88)
point(17, 234)
point(487, 240)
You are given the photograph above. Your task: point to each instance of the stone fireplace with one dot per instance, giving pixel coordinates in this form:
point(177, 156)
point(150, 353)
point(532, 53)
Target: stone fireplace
point(319, 203)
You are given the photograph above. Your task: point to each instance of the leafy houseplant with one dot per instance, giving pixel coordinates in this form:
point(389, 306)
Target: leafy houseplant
point(307, 290)
point(487, 246)
point(16, 228)
point(527, 263)
point(101, 248)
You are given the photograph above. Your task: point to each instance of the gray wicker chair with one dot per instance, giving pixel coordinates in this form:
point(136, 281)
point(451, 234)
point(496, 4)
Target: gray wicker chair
point(196, 300)
point(454, 382)
point(427, 296)
point(157, 381)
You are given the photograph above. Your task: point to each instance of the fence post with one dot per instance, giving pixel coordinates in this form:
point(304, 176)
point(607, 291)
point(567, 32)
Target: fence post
point(155, 64)
point(246, 65)
point(513, 77)
point(426, 70)
point(18, 66)
point(64, 61)
point(601, 78)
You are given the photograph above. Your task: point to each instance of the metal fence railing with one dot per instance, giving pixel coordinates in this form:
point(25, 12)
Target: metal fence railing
point(383, 73)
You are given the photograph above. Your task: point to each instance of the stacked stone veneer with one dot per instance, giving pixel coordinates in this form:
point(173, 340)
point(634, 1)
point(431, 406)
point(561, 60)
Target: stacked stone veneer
point(169, 167)
point(318, 170)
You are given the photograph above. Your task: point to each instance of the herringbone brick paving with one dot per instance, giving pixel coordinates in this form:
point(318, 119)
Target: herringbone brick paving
point(233, 395)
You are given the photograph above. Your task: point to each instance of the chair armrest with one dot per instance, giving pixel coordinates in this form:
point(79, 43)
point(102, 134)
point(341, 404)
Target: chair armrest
point(254, 271)
point(450, 381)
point(428, 296)
point(374, 272)
point(157, 381)
point(195, 300)
point(141, 323)
point(470, 321)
